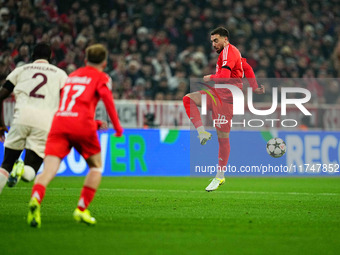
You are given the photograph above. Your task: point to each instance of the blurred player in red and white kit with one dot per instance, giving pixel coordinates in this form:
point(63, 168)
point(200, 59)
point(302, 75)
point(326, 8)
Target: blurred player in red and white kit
point(230, 68)
point(74, 126)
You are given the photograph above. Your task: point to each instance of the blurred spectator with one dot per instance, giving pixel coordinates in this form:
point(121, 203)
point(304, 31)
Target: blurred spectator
point(139, 89)
point(133, 71)
point(4, 20)
point(24, 54)
point(69, 59)
point(126, 89)
point(162, 86)
point(155, 47)
point(175, 80)
point(332, 92)
point(57, 52)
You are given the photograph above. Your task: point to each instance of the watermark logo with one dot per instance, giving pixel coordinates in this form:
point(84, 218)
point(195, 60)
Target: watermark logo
point(204, 97)
point(239, 105)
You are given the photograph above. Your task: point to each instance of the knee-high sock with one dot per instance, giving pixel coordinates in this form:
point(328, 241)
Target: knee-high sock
point(3, 178)
point(223, 155)
point(38, 191)
point(86, 197)
point(192, 111)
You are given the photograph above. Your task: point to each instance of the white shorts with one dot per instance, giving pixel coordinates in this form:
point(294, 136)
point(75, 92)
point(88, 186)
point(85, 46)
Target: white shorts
point(22, 137)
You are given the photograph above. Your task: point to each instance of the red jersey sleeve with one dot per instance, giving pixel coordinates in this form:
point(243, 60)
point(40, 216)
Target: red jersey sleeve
point(106, 96)
point(249, 74)
point(227, 61)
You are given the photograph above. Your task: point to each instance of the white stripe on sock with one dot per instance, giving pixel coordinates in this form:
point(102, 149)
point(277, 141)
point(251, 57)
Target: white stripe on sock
point(3, 178)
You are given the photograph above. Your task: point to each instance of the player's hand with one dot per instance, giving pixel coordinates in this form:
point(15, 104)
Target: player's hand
point(260, 90)
point(103, 126)
point(3, 129)
point(119, 132)
point(206, 78)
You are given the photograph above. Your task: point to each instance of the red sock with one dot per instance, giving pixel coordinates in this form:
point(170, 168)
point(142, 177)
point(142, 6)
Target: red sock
point(223, 151)
point(86, 197)
point(38, 191)
point(192, 111)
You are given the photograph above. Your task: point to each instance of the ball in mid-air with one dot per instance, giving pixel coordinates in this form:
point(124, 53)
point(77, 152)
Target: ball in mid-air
point(276, 147)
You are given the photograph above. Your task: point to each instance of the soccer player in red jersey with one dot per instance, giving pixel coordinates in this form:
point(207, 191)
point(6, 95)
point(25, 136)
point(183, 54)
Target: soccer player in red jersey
point(74, 126)
point(229, 68)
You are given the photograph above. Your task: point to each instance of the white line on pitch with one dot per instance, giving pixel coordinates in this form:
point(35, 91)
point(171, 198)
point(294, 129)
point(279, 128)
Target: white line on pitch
point(202, 191)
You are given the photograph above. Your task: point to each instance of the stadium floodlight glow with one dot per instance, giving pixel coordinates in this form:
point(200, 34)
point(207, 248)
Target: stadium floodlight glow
point(238, 100)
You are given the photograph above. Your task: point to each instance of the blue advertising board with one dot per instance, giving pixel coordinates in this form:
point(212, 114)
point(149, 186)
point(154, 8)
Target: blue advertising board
point(140, 152)
point(164, 152)
point(308, 153)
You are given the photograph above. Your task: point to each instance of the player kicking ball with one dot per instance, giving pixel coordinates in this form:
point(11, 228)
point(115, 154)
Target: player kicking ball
point(230, 66)
point(36, 87)
point(74, 126)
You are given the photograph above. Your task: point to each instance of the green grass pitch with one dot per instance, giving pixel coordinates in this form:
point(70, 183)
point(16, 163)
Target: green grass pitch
point(149, 215)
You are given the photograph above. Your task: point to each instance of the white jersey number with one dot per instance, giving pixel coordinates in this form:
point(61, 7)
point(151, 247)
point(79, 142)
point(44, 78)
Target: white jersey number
point(79, 90)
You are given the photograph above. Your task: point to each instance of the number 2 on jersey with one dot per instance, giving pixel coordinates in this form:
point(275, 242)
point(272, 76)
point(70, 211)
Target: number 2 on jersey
point(33, 92)
point(79, 90)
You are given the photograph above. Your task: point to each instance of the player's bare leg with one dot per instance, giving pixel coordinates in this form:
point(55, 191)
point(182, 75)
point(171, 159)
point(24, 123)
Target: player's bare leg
point(223, 155)
point(94, 176)
point(91, 184)
point(190, 102)
point(51, 166)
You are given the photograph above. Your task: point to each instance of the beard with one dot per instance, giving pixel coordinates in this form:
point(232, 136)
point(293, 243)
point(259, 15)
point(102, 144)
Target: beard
point(219, 50)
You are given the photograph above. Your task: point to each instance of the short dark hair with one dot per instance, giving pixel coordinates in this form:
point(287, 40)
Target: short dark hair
point(220, 31)
point(96, 53)
point(42, 51)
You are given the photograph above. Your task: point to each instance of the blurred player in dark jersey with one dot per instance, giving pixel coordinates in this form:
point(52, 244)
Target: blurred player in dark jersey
point(74, 126)
point(230, 68)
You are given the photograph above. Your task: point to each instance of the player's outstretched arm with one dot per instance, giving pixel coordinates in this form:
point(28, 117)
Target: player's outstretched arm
point(250, 75)
point(107, 98)
point(223, 74)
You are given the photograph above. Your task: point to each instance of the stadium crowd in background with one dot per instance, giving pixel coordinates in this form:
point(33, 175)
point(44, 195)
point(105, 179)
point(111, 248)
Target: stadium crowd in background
point(156, 46)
